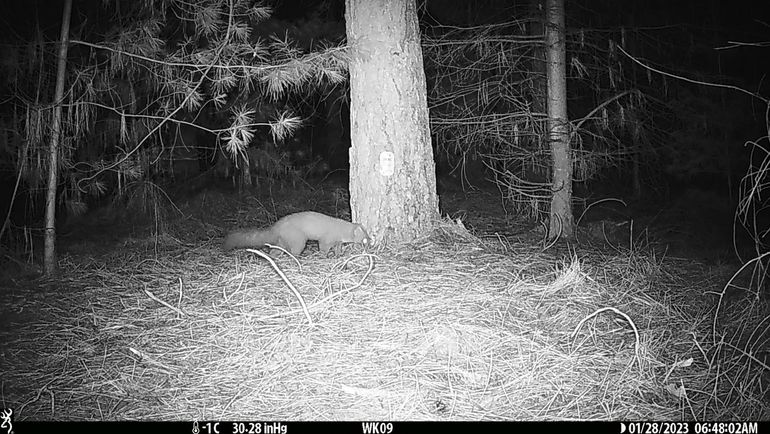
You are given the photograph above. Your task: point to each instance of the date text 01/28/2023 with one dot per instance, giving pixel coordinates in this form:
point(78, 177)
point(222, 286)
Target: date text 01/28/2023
point(689, 428)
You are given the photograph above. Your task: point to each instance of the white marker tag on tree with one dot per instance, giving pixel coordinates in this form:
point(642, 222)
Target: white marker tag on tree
point(387, 163)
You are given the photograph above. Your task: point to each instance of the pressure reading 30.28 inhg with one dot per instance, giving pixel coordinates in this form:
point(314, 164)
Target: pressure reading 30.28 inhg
point(258, 428)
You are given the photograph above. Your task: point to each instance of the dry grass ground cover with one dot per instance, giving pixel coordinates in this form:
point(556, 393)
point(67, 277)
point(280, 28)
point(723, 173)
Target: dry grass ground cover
point(456, 326)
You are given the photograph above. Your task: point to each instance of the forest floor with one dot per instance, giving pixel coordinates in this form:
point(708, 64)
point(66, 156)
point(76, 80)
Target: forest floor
point(479, 320)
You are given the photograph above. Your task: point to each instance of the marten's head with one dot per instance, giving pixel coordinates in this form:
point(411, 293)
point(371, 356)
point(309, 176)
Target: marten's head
point(360, 235)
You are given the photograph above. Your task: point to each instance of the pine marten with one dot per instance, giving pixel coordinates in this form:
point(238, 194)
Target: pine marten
point(294, 230)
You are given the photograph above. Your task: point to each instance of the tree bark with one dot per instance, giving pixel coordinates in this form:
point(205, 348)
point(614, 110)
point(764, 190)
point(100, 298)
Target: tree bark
point(392, 171)
point(561, 219)
point(49, 255)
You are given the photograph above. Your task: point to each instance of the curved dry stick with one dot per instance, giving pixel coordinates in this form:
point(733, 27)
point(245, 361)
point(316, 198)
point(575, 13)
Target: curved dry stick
point(633, 326)
point(556, 238)
point(606, 199)
point(299, 266)
point(336, 294)
point(360, 282)
point(287, 281)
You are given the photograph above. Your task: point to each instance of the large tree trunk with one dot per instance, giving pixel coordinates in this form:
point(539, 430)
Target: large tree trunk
point(392, 172)
point(49, 255)
point(561, 221)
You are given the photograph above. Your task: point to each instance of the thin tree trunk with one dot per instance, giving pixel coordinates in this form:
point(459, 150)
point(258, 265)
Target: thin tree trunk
point(49, 255)
point(561, 221)
point(392, 172)
point(539, 85)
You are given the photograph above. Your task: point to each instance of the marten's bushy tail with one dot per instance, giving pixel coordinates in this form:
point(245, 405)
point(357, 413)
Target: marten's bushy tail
point(254, 238)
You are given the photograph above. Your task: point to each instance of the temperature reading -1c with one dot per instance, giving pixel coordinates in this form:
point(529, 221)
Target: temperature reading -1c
point(210, 428)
